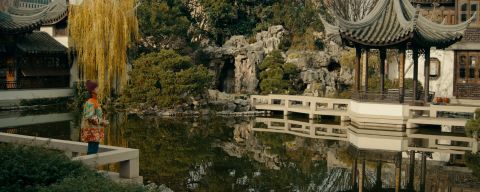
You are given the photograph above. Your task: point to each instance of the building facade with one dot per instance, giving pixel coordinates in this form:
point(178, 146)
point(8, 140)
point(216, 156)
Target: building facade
point(455, 70)
point(32, 58)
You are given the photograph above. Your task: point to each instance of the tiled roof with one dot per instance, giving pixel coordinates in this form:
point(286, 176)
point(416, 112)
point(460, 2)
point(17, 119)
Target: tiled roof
point(40, 42)
point(472, 35)
point(395, 22)
point(28, 15)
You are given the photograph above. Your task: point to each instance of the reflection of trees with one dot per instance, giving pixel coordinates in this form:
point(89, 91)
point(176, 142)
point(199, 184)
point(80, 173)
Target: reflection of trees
point(473, 162)
point(169, 148)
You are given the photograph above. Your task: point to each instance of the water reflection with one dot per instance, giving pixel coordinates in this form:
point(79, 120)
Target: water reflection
point(277, 153)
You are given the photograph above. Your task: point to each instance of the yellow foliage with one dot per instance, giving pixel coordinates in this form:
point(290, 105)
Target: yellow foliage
point(102, 31)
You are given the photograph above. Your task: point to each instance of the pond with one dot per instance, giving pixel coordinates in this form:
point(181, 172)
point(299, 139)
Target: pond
point(258, 154)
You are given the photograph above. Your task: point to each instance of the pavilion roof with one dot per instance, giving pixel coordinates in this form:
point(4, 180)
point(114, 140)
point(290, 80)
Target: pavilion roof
point(395, 22)
point(26, 15)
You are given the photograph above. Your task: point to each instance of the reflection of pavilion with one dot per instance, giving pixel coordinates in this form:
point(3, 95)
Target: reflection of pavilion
point(401, 157)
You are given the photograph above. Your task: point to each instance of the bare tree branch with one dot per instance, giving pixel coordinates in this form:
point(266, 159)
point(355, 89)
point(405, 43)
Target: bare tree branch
point(352, 10)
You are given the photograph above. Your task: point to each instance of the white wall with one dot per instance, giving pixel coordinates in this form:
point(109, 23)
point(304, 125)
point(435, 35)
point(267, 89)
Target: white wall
point(17, 95)
point(74, 72)
point(381, 109)
point(443, 85)
point(62, 39)
point(376, 142)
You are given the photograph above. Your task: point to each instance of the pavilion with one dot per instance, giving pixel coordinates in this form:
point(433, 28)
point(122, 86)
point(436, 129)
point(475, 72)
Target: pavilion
point(394, 24)
point(31, 58)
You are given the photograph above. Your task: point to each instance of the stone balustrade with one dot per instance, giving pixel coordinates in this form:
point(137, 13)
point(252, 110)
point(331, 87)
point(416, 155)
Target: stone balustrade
point(127, 157)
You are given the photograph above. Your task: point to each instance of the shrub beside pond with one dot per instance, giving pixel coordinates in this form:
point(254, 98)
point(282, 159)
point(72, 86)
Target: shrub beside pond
point(25, 169)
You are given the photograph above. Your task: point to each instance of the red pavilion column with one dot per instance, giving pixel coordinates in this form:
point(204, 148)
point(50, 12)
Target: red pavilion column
point(415, 74)
point(426, 72)
point(358, 57)
point(401, 75)
point(383, 56)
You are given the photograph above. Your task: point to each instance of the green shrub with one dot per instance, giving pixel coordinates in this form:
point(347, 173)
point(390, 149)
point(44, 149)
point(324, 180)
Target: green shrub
point(165, 79)
point(473, 125)
point(91, 181)
point(278, 77)
point(28, 168)
point(473, 162)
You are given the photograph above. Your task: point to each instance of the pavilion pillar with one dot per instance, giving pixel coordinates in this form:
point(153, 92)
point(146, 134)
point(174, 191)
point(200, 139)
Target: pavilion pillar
point(415, 74)
point(426, 72)
point(383, 56)
point(365, 71)
point(423, 170)
point(378, 178)
point(358, 57)
point(361, 177)
point(411, 171)
point(354, 174)
point(398, 172)
point(401, 75)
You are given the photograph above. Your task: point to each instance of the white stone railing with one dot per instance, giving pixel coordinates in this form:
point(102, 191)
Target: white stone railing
point(127, 157)
point(430, 115)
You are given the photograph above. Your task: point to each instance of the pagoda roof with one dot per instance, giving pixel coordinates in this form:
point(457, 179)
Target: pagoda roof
point(392, 23)
point(26, 15)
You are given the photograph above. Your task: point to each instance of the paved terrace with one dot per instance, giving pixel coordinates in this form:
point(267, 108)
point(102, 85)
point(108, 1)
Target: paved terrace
point(381, 116)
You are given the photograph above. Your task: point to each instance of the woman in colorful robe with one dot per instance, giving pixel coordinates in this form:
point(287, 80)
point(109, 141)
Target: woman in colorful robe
point(93, 122)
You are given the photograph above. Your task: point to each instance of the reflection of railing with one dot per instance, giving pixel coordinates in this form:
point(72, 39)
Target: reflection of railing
point(128, 158)
point(303, 129)
point(442, 143)
point(392, 140)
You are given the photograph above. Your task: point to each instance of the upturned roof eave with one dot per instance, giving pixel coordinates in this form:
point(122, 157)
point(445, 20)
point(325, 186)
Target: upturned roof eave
point(414, 25)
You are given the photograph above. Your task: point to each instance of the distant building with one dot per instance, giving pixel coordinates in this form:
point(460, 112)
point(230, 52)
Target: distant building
point(33, 49)
point(455, 70)
point(32, 58)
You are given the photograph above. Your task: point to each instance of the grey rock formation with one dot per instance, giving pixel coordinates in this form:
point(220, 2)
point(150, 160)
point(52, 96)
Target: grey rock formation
point(245, 58)
point(321, 70)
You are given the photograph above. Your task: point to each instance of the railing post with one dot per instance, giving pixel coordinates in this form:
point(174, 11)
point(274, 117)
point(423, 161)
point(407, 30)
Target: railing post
point(130, 169)
point(474, 145)
point(287, 105)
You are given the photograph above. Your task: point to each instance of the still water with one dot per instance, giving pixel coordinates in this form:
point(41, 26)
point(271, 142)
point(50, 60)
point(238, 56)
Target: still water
point(268, 153)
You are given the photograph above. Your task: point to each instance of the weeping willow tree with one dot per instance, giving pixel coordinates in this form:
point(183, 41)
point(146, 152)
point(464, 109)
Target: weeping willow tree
point(102, 31)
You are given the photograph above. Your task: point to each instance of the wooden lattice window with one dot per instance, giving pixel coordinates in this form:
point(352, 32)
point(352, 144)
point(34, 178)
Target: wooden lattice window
point(468, 67)
point(466, 9)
